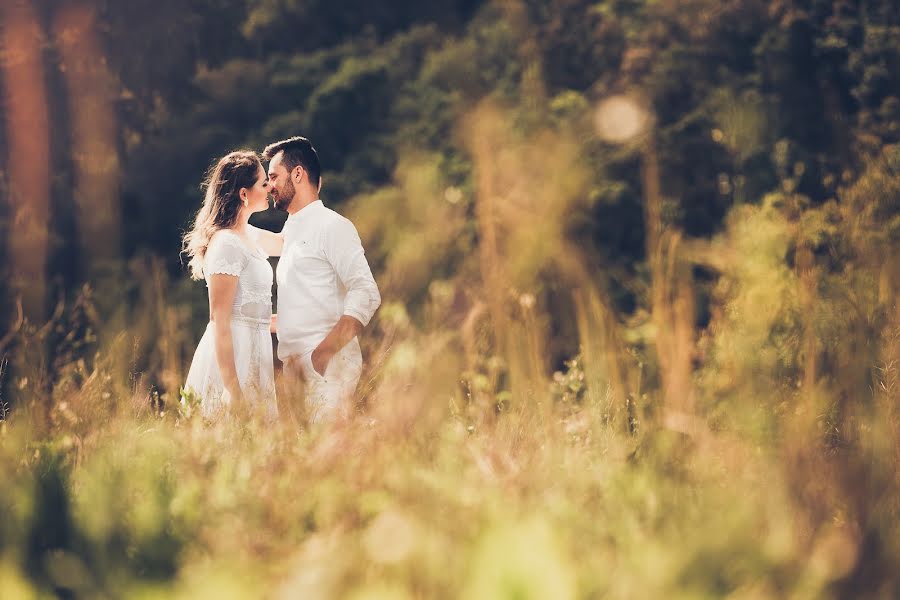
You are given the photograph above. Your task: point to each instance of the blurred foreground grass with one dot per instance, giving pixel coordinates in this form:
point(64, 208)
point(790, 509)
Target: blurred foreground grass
point(753, 458)
point(398, 507)
point(408, 505)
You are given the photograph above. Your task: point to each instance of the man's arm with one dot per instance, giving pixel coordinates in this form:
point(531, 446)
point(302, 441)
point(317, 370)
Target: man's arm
point(344, 251)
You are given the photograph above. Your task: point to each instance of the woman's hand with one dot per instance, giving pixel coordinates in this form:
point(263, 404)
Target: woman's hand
point(234, 399)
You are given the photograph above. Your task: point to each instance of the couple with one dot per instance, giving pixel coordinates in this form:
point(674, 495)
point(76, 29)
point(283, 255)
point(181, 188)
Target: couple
point(326, 292)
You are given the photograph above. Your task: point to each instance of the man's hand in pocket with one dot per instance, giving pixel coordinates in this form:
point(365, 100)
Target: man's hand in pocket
point(320, 359)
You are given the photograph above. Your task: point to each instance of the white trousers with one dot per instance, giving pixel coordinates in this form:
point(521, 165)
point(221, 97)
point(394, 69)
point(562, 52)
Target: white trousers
point(329, 397)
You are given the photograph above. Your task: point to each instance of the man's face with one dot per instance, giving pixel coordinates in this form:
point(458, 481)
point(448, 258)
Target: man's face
point(281, 186)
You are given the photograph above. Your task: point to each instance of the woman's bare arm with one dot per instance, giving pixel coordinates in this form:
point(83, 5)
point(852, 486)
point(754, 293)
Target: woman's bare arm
point(270, 242)
point(222, 290)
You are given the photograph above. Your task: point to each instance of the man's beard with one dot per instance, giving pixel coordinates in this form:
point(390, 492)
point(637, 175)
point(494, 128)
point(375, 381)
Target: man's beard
point(284, 196)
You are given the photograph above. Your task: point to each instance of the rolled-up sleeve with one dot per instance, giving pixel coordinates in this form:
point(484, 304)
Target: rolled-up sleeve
point(344, 251)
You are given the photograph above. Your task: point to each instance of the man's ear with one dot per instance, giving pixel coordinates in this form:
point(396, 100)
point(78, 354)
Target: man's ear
point(298, 174)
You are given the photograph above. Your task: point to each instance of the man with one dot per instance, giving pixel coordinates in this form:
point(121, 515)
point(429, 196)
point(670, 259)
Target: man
point(326, 292)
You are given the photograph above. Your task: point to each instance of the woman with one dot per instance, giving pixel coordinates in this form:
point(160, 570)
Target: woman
point(232, 367)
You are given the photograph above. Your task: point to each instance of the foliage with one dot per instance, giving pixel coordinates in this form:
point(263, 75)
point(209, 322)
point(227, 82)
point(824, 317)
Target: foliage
point(660, 365)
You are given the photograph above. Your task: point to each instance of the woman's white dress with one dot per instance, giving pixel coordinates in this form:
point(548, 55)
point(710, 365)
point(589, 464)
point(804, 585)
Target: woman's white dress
point(251, 315)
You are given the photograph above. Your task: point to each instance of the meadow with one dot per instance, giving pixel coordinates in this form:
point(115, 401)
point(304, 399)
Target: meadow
point(639, 263)
point(755, 458)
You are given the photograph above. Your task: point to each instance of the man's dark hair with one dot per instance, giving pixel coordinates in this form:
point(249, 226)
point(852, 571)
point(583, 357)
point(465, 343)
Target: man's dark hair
point(297, 151)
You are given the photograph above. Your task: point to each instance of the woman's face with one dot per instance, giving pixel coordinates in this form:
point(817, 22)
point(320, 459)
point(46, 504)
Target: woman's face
point(258, 195)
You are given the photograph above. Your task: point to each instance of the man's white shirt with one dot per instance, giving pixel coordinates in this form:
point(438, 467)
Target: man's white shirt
point(322, 275)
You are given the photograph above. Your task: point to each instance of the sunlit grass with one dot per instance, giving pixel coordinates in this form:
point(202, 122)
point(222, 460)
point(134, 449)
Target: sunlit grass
point(156, 506)
point(471, 469)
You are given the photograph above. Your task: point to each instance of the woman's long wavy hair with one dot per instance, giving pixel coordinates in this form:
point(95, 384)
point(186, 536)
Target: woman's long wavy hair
point(221, 205)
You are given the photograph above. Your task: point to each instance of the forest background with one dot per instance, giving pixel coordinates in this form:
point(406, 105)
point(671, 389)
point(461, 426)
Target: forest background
point(639, 268)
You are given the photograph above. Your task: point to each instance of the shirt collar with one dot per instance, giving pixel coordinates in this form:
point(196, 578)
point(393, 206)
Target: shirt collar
point(305, 211)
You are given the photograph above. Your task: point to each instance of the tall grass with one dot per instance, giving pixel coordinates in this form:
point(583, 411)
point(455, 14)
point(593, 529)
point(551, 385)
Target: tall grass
point(756, 458)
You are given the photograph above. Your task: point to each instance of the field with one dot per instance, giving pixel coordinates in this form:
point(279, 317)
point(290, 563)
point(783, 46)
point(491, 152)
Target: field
point(747, 471)
point(640, 330)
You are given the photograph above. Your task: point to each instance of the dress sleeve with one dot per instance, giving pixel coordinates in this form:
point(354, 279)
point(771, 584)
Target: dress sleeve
point(225, 256)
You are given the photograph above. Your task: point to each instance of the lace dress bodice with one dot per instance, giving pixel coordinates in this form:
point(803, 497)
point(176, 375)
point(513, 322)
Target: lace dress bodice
point(228, 254)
